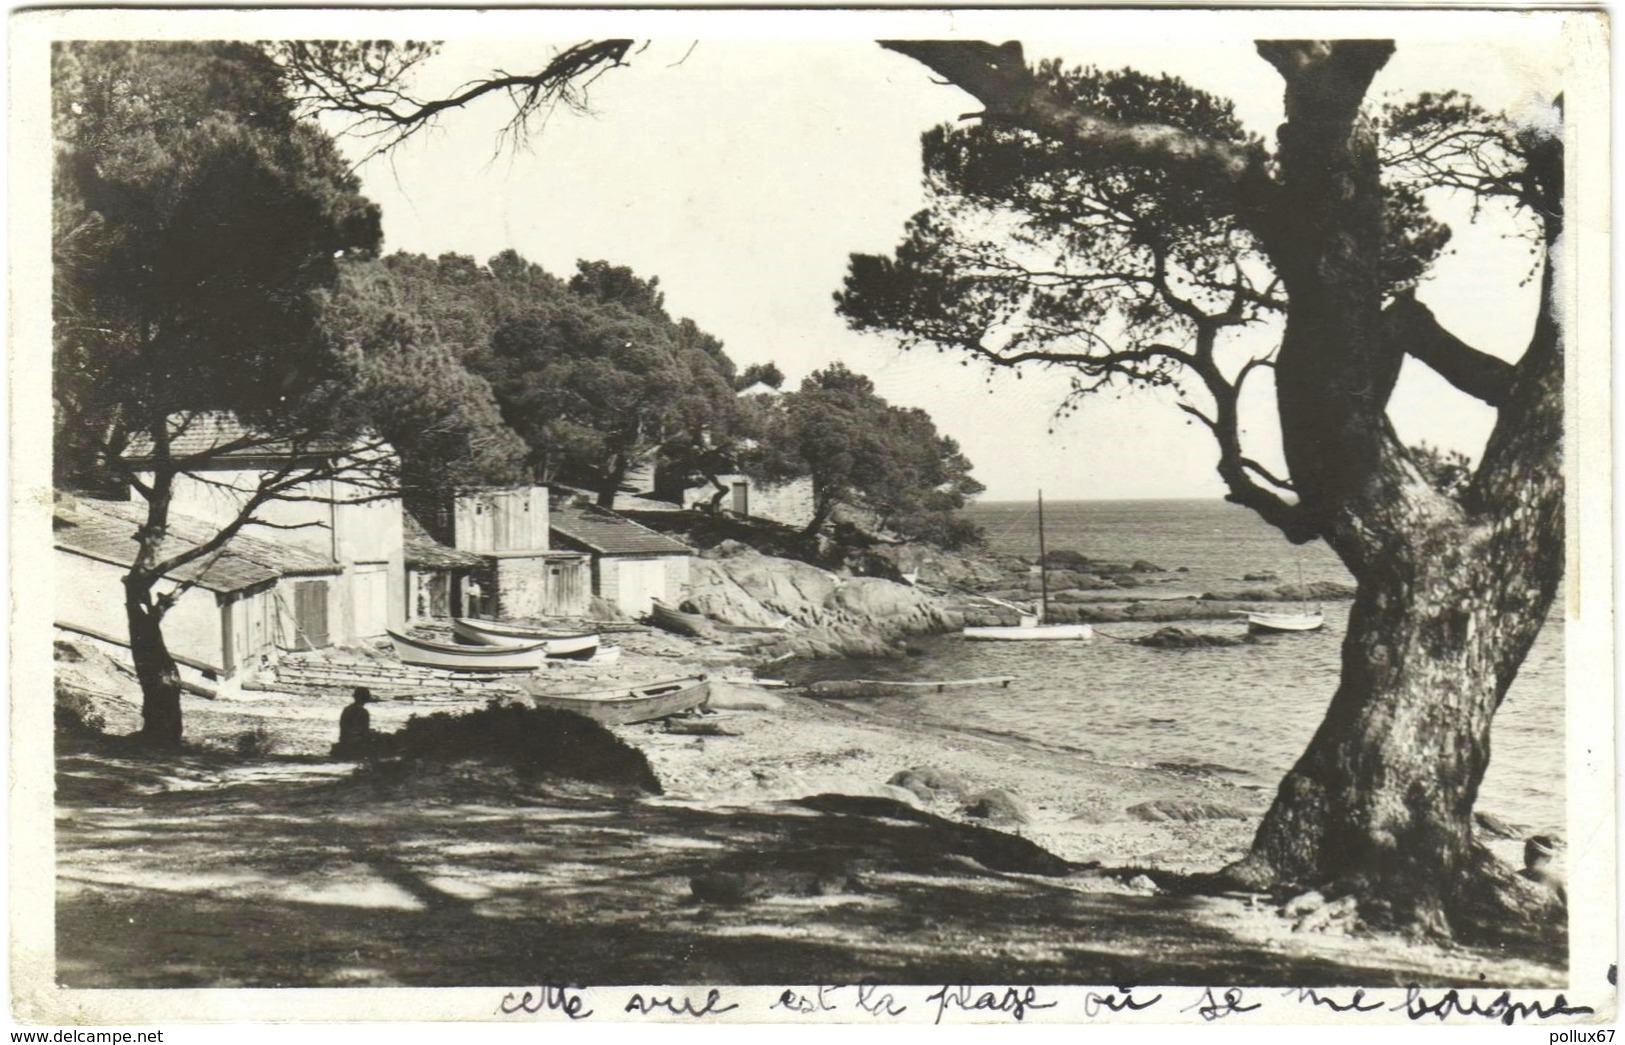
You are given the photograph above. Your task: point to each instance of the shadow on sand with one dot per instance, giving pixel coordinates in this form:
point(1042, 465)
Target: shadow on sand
point(220, 871)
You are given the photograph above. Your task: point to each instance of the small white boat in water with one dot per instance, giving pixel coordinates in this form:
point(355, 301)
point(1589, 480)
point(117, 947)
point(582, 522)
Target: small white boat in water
point(1285, 621)
point(1031, 633)
point(1032, 627)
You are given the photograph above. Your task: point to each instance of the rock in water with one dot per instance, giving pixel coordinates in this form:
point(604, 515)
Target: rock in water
point(1184, 638)
point(728, 887)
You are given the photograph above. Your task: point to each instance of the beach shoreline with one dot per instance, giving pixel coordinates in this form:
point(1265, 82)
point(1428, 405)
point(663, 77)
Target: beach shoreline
point(445, 882)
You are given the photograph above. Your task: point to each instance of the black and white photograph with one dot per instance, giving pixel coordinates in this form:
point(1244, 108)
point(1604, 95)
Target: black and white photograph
point(823, 517)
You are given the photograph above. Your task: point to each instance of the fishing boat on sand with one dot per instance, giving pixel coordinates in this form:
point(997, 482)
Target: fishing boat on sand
point(626, 704)
point(575, 645)
point(1033, 628)
point(457, 657)
point(680, 622)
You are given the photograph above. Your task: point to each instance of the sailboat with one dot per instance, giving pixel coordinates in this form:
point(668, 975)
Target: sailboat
point(1033, 627)
point(1303, 620)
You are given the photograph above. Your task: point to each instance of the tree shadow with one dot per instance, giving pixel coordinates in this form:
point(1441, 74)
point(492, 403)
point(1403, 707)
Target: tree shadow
point(475, 878)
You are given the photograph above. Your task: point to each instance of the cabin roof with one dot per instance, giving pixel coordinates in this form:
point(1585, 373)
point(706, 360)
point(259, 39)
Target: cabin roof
point(225, 437)
point(105, 530)
point(602, 531)
point(425, 552)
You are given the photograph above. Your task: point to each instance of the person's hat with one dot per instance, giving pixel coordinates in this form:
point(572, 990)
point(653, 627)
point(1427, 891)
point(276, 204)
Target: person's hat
point(363, 695)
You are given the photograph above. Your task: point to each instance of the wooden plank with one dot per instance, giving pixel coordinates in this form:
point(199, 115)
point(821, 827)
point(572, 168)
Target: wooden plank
point(880, 687)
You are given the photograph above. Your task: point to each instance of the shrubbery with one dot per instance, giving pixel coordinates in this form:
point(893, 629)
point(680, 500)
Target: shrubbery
point(531, 740)
point(76, 715)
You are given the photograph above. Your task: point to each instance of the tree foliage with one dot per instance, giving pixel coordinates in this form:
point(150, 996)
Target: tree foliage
point(195, 221)
point(1038, 250)
point(760, 374)
point(862, 452)
point(596, 378)
point(413, 389)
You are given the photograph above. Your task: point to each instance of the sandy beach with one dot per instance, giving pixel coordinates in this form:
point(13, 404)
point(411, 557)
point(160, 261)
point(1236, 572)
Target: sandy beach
point(284, 867)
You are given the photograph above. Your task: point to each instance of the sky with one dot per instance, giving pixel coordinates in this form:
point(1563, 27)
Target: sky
point(743, 169)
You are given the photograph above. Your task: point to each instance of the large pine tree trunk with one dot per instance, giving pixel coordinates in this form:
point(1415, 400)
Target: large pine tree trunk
point(1381, 802)
point(1452, 591)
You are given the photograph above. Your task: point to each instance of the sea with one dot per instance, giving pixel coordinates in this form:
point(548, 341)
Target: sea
point(1245, 711)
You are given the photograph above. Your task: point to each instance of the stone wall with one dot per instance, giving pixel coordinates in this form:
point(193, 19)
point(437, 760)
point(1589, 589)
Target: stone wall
point(790, 503)
point(678, 568)
point(521, 586)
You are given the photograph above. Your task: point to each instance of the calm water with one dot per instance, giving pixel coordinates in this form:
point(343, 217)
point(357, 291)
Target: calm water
point(1249, 708)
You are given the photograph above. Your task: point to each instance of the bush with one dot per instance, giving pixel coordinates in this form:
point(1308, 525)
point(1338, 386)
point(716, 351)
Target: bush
point(255, 743)
point(539, 741)
point(946, 530)
point(76, 714)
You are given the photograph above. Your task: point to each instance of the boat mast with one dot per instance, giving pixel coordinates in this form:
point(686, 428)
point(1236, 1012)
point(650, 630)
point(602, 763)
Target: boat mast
point(1043, 566)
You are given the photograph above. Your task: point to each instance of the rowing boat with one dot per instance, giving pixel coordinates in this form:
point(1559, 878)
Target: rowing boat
point(457, 657)
point(628, 704)
point(576, 645)
point(1285, 621)
point(675, 620)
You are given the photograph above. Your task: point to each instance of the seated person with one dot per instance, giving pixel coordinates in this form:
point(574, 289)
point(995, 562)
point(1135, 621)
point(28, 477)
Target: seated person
point(1538, 853)
point(355, 726)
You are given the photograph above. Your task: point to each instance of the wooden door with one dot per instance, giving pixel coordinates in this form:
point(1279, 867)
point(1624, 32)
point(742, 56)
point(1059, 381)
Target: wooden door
point(439, 594)
point(641, 581)
point(310, 615)
point(569, 586)
point(370, 589)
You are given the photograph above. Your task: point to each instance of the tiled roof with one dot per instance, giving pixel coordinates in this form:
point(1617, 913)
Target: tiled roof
point(605, 532)
point(106, 530)
point(423, 550)
point(204, 432)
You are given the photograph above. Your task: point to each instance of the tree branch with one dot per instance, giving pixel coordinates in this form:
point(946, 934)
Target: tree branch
point(1253, 466)
point(324, 78)
point(1411, 327)
point(998, 77)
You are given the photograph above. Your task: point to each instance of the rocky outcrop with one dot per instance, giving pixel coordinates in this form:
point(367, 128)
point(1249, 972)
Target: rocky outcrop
point(940, 569)
point(735, 584)
point(830, 615)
